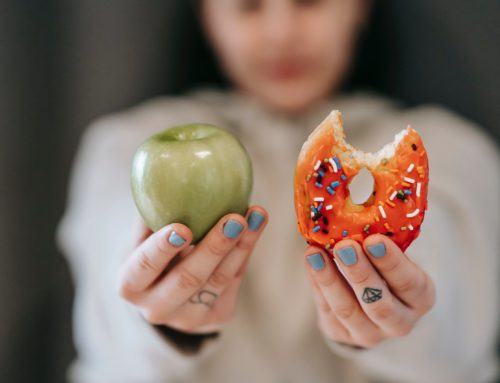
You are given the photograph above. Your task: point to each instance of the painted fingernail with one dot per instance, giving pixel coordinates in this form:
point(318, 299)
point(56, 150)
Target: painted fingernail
point(377, 250)
point(316, 261)
point(255, 219)
point(232, 228)
point(175, 239)
point(347, 255)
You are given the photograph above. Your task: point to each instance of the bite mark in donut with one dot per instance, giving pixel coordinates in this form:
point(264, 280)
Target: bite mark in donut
point(326, 165)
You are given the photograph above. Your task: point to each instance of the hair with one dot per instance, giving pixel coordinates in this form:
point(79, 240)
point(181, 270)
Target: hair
point(196, 64)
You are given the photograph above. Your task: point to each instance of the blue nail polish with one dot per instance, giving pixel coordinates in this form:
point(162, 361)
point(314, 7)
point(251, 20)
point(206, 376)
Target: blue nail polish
point(175, 239)
point(255, 219)
point(377, 250)
point(347, 255)
point(316, 261)
point(232, 228)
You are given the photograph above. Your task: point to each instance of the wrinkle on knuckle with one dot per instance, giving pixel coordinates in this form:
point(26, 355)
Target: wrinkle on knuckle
point(408, 284)
point(382, 310)
point(216, 249)
point(244, 245)
point(219, 279)
point(360, 276)
point(402, 328)
point(186, 280)
point(145, 261)
point(160, 245)
point(345, 312)
point(324, 307)
point(391, 266)
point(328, 280)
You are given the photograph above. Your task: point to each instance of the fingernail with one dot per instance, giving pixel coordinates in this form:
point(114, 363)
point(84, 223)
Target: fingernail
point(377, 250)
point(232, 228)
point(316, 261)
point(347, 255)
point(255, 219)
point(175, 239)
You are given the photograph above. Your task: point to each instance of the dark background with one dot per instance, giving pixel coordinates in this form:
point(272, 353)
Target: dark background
point(64, 63)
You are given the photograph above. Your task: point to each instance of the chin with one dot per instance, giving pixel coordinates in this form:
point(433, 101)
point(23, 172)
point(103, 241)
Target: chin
point(293, 101)
point(295, 97)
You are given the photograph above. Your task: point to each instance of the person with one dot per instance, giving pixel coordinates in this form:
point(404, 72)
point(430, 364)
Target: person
point(251, 301)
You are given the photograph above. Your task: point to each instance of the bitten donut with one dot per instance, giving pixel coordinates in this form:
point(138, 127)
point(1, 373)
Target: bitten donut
point(325, 167)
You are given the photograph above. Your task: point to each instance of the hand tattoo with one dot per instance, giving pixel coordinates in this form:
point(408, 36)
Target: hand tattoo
point(371, 294)
point(204, 297)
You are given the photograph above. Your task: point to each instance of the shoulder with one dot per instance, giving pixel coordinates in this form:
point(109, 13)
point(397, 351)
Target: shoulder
point(152, 115)
point(447, 136)
point(454, 141)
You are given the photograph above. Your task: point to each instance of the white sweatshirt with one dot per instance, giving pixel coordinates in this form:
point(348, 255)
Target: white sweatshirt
point(274, 335)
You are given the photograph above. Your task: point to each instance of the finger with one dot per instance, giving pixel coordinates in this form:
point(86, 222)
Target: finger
point(194, 269)
point(377, 301)
point(339, 296)
point(227, 270)
point(151, 257)
point(328, 322)
point(210, 320)
point(218, 281)
point(405, 278)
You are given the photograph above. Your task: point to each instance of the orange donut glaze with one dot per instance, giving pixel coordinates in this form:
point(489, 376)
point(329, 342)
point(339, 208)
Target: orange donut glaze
point(326, 165)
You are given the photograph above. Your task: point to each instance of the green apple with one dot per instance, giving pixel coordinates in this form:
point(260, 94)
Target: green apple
point(193, 174)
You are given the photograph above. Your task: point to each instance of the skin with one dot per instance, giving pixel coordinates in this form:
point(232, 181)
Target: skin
point(287, 55)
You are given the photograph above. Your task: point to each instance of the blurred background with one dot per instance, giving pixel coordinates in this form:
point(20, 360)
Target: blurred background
point(63, 63)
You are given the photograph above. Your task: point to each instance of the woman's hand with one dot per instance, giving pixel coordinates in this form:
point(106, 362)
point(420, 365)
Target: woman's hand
point(382, 295)
point(191, 288)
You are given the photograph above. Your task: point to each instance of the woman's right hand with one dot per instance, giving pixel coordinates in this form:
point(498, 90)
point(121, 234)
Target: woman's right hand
point(190, 288)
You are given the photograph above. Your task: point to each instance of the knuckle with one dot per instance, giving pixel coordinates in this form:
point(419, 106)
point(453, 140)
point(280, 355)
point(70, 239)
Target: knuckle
point(391, 266)
point(428, 297)
point(330, 331)
point(408, 284)
point(145, 261)
point(370, 341)
point(219, 279)
point(360, 276)
point(160, 244)
point(216, 249)
point(402, 328)
point(123, 290)
point(327, 280)
point(186, 280)
point(323, 306)
point(382, 310)
point(345, 312)
point(245, 245)
point(401, 331)
point(152, 316)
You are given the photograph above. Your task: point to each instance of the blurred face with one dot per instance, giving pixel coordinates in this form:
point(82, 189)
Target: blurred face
point(287, 53)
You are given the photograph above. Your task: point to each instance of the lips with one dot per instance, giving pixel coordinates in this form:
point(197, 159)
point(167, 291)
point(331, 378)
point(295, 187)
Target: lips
point(286, 70)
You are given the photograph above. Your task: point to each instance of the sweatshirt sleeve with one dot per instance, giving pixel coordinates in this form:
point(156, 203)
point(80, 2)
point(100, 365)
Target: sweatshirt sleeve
point(459, 247)
point(113, 341)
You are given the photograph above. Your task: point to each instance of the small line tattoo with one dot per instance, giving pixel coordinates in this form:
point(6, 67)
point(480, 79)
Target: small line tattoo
point(204, 297)
point(371, 294)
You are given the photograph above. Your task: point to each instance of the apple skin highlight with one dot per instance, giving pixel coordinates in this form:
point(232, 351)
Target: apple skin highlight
point(191, 174)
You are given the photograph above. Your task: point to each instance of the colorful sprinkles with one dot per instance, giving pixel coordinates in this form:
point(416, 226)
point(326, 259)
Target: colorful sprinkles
point(400, 190)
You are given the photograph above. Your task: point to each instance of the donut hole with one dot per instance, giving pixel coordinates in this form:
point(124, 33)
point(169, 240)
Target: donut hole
point(361, 187)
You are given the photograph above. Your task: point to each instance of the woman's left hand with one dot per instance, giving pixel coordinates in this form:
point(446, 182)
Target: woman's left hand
point(382, 295)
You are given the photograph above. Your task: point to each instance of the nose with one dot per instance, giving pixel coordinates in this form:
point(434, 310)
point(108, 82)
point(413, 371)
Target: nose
point(280, 24)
